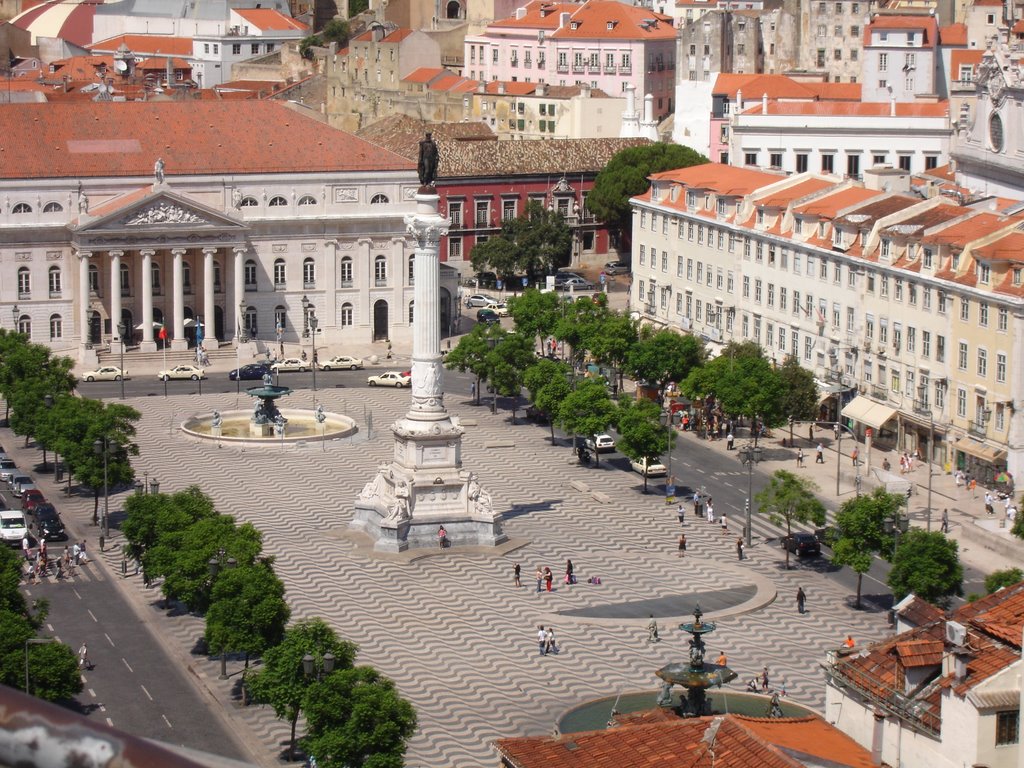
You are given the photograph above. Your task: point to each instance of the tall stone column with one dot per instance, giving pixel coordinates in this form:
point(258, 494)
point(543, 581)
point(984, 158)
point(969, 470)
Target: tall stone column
point(178, 341)
point(83, 297)
point(209, 307)
point(115, 295)
point(238, 293)
point(148, 342)
point(424, 486)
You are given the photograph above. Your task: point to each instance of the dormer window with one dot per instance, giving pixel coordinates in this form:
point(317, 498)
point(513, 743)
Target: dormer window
point(886, 247)
point(798, 226)
point(956, 261)
point(611, 25)
point(837, 237)
point(760, 217)
point(574, 25)
point(1016, 277)
point(822, 229)
point(984, 274)
point(926, 257)
point(722, 210)
point(691, 199)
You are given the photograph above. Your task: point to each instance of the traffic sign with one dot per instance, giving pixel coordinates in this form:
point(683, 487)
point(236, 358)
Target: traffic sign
point(526, 281)
point(499, 284)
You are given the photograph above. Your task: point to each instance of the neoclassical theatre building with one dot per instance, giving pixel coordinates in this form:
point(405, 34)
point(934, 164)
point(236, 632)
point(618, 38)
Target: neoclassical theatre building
point(244, 218)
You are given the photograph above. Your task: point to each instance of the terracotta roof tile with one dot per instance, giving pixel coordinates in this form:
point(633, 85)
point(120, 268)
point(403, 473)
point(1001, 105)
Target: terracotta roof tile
point(865, 216)
point(121, 201)
point(155, 62)
point(783, 197)
point(269, 19)
point(146, 45)
point(925, 24)
point(425, 74)
point(828, 206)
point(392, 36)
point(971, 228)
point(83, 140)
point(540, 14)
point(402, 134)
point(914, 225)
point(1009, 247)
point(920, 653)
point(551, 158)
point(755, 86)
point(723, 179)
point(607, 20)
point(954, 34)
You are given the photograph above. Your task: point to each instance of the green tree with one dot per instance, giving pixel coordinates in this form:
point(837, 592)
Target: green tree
point(507, 363)
point(746, 386)
point(535, 314)
point(926, 564)
point(587, 410)
point(663, 356)
point(19, 359)
point(282, 683)
point(1003, 578)
point(799, 391)
point(52, 671)
point(52, 376)
point(247, 612)
point(615, 338)
point(470, 354)
point(497, 254)
point(577, 324)
point(152, 515)
point(789, 499)
point(641, 435)
point(536, 243)
point(547, 381)
point(625, 176)
point(356, 719)
point(861, 531)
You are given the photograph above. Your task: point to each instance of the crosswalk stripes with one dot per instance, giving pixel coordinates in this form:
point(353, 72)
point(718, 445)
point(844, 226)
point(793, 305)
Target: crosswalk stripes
point(83, 572)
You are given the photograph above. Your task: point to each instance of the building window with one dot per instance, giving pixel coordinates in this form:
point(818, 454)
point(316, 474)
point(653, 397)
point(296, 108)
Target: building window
point(1000, 367)
point(248, 202)
point(55, 282)
point(280, 318)
point(983, 315)
point(411, 271)
point(155, 279)
point(828, 163)
point(25, 325)
point(961, 358)
point(53, 208)
point(309, 273)
point(508, 210)
point(380, 270)
point(21, 208)
point(186, 275)
point(307, 200)
point(277, 201)
point(379, 200)
point(280, 276)
point(1003, 319)
point(965, 309)
point(217, 285)
point(801, 163)
point(56, 327)
point(982, 363)
point(250, 275)
point(25, 282)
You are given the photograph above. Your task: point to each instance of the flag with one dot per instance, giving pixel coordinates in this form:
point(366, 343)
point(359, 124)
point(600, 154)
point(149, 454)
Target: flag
point(163, 333)
point(199, 334)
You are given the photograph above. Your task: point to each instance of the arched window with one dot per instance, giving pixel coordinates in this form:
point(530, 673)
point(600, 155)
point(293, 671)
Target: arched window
point(379, 200)
point(346, 315)
point(155, 272)
point(56, 327)
point(309, 272)
point(380, 270)
point(25, 325)
point(277, 201)
point(126, 280)
point(53, 208)
point(186, 276)
point(55, 282)
point(411, 303)
point(248, 202)
point(22, 208)
point(24, 283)
point(412, 271)
point(307, 200)
point(250, 275)
point(94, 279)
point(216, 278)
point(346, 272)
point(279, 273)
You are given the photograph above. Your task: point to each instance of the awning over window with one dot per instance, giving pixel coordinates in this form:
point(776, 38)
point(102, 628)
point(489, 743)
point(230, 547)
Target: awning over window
point(868, 412)
point(980, 450)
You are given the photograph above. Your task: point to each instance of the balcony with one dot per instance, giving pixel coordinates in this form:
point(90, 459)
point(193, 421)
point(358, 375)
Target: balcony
point(562, 69)
point(977, 428)
point(625, 69)
point(922, 408)
point(540, 63)
point(579, 69)
point(609, 69)
point(879, 392)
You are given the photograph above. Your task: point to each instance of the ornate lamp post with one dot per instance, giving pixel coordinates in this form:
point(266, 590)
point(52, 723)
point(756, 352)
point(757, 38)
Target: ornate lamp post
point(313, 323)
point(750, 455)
point(122, 329)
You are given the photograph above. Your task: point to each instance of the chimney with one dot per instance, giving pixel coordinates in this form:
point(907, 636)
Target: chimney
point(501, 88)
point(739, 100)
point(892, 105)
point(481, 87)
point(563, 19)
point(630, 119)
point(520, 13)
point(585, 90)
point(377, 33)
point(764, 103)
point(649, 108)
point(542, 89)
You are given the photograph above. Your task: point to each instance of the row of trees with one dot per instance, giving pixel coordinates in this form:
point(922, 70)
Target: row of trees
point(216, 567)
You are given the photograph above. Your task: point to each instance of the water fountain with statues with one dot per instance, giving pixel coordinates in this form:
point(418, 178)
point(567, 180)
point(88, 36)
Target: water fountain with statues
point(695, 676)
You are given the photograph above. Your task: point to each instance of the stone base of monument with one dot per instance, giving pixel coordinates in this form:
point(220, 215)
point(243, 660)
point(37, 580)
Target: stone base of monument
point(422, 533)
point(261, 430)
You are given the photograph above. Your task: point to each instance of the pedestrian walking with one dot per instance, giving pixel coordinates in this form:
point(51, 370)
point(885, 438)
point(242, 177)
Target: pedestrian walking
point(569, 577)
point(810, 432)
point(725, 524)
point(835, 431)
point(76, 552)
point(652, 631)
point(681, 514)
point(988, 503)
point(820, 457)
point(973, 486)
point(945, 521)
point(550, 646)
point(764, 679)
point(517, 570)
point(472, 390)
point(854, 455)
point(739, 548)
point(83, 657)
point(710, 508)
point(682, 544)
point(959, 477)
point(25, 549)
point(801, 599)
point(542, 638)
point(548, 577)
point(729, 440)
point(540, 578)
point(799, 457)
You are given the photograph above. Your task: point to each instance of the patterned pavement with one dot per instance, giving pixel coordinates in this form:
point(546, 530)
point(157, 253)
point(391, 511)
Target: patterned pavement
point(451, 629)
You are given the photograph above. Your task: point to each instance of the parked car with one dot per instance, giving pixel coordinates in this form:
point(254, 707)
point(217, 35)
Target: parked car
point(12, 527)
point(488, 316)
point(600, 443)
point(105, 373)
point(827, 535)
point(652, 469)
point(486, 280)
point(575, 284)
point(45, 523)
point(21, 488)
point(7, 468)
point(250, 372)
point(341, 361)
point(390, 379)
point(17, 477)
point(803, 544)
point(500, 308)
point(290, 364)
point(616, 268)
point(480, 300)
point(30, 499)
point(182, 372)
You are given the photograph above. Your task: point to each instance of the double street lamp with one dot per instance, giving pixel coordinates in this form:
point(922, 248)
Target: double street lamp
point(122, 329)
point(750, 456)
point(103, 447)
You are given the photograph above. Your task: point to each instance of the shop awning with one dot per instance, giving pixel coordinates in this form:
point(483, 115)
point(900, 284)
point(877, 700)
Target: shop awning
point(827, 390)
point(868, 412)
point(980, 450)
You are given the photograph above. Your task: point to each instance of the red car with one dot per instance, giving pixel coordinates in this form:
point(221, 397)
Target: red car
point(31, 498)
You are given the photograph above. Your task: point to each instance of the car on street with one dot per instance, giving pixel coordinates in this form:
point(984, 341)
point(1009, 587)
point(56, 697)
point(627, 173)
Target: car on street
point(30, 499)
point(616, 268)
point(290, 364)
point(21, 488)
point(105, 373)
point(12, 527)
point(341, 361)
point(649, 469)
point(561, 277)
point(181, 372)
point(17, 477)
point(803, 544)
point(390, 379)
point(500, 308)
point(576, 284)
point(7, 468)
point(827, 535)
point(250, 372)
point(600, 443)
point(44, 522)
point(488, 316)
point(480, 300)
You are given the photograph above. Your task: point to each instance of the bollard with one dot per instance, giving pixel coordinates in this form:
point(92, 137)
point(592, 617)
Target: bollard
point(102, 542)
point(124, 567)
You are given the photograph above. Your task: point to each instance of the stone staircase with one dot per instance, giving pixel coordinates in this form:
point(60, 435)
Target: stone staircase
point(135, 359)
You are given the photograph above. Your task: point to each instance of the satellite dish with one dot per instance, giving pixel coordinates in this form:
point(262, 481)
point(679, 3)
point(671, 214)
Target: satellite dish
point(120, 65)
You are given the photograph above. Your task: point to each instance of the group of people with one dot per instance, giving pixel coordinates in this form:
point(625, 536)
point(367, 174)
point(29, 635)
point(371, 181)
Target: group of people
point(546, 640)
point(38, 561)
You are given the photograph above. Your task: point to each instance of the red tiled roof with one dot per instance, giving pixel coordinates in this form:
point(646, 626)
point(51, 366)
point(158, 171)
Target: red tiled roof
point(81, 67)
point(917, 612)
point(424, 74)
point(269, 19)
point(780, 198)
point(1009, 247)
point(925, 24)
point(146, 45)
point(156, 62)
point(755, 86)
point(964, 57)
point(540, 14)
point(954, 34)
point(828, 206)
point(920, 653)
point(723, 179)
point(608, 20)
point(971, 228)
point(125, 138)
point(121, 201)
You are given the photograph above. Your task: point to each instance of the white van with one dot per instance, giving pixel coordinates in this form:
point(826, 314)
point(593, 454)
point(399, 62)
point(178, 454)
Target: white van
point(12, 527)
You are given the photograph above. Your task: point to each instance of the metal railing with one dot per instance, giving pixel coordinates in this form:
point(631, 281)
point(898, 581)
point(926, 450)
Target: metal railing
point(914, 713)
point(977, 428)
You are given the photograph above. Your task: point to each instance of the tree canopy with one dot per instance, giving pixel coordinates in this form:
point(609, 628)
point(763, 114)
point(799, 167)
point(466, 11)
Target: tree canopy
point(247, 612)
point(626, 174)
point(799, 392)
point(535, 243)
point(664, 356)
point(641, 435)
point(789, 499)
point(587, 410)
point(745, 385)
point(861, 531)
point(926, 564)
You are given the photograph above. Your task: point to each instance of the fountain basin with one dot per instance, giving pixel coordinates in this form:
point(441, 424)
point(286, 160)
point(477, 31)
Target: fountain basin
point(236, 427)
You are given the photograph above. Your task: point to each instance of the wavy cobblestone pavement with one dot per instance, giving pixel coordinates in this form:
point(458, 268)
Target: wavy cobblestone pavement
point(450, 629)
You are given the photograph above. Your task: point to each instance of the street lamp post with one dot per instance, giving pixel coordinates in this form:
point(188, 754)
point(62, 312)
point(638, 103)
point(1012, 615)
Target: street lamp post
point(214, 565)
point(750, 455)
point(242, 326)
point(15, 312)
point(103, 448)
point(122, 329)
point(839, 427)
point(898, 525)
point(313, 323)
point(922, 392)
point(34, 641)
point(666, 420)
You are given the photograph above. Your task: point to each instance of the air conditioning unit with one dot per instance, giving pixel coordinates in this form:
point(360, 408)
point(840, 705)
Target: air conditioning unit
point(956, 633)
